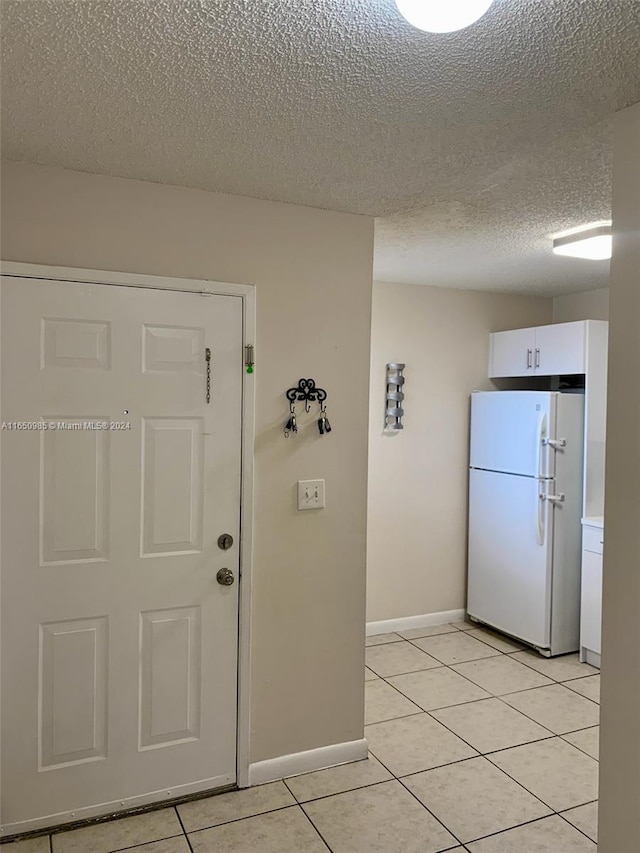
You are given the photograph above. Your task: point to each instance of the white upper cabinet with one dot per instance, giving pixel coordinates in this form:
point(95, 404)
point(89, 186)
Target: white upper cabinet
point(558, 349)
point(512, 353)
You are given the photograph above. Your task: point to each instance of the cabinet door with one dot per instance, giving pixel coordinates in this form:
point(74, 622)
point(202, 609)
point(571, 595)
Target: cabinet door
point(511, 353)
point(591, 604)
point(560, 349)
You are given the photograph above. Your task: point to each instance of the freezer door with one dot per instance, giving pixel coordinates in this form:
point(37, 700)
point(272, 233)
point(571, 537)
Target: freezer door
point(508, 429)
point(510, 554)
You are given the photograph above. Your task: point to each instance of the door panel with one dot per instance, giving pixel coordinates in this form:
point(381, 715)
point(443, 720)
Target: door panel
point(507, 430)
point(591, 605)
point(119, 646)
point(512, 353)
point(73, 692)
point(172, 485)
point(170, 685)
point(74, 492)
point(510, 536)
point(560, 349)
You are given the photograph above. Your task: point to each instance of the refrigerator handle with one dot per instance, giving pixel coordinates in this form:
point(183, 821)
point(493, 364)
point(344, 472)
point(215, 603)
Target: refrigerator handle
point(554, 442)
point(540, 520)
point(542, 429)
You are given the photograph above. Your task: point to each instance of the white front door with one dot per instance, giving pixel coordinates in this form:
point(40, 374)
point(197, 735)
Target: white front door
point(119, 645)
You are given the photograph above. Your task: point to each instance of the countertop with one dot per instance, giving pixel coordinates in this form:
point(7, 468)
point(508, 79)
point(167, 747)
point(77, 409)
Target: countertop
point(594, 521)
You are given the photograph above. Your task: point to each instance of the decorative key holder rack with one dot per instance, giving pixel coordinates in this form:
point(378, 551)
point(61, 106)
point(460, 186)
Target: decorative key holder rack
point(306, 392)
point(393, 403)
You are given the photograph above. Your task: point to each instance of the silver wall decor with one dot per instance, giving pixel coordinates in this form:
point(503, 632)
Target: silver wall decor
point(394, 397)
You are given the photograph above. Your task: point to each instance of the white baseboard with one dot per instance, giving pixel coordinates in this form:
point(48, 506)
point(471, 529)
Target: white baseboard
point(406, 623)
point(306, 762)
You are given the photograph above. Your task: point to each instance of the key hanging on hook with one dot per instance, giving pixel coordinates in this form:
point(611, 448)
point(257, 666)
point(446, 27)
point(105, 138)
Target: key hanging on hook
point(291, 425)
point(323, 422)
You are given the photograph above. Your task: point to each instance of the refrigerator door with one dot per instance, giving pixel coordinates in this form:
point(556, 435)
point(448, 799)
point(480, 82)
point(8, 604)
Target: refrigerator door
point(508, 429)
point(510, 554)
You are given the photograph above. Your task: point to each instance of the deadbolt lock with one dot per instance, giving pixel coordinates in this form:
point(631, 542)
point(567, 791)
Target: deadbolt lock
point(225, 541)
point(225, 577)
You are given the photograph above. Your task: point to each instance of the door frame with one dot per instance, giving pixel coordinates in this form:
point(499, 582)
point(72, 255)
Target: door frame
point(247, 293)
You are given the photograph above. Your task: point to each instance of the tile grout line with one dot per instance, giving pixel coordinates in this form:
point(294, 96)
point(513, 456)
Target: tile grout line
point(315, 828)
point(489, 835)
point(409, 672)
point(490, 695)
point(533, 720)
point(579, 748)
point(590, 803)
point(135, 847)
point(566, 684)
point(494, 695)
point(424, 710)
point(407, 640)
point(446, 828)
point(175, 808)
point(398, 779)
point(470, 702)
point(495, 651)
point(460, 704)
point(511, 828)
point(303, 803)
point(245, 817)
point(561, 815)
point(558, 681)
point(538, 797)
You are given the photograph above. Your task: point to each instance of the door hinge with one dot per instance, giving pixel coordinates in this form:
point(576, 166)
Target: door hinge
point(207, 358)
point(249, 358)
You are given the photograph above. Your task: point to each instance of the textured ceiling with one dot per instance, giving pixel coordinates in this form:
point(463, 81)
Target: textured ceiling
point(471, 148)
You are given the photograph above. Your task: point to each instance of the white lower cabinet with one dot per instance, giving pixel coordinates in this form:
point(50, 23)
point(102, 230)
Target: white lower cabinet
point(591, 595)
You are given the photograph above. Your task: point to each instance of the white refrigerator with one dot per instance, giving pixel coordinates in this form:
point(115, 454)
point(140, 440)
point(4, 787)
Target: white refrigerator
point(525, 503)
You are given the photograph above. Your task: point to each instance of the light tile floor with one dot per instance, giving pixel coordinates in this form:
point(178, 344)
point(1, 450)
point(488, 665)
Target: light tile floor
point(476, 745)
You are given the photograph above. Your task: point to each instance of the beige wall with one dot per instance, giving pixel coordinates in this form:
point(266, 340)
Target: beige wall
point(417, 517)
point(312, 271)
point(620, 730)
point(588, 305)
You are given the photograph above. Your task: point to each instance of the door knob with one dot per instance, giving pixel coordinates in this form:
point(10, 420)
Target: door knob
point(225, 577)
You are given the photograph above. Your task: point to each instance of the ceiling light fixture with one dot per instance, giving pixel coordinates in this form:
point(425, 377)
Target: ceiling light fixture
point(442, 16)
point(592, 241)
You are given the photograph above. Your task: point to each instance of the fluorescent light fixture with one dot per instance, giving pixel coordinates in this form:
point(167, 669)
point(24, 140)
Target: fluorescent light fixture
point(592, 242)
point(442, 16)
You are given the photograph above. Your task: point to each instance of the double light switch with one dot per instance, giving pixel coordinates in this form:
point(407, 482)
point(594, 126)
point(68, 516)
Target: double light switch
point(311, 494)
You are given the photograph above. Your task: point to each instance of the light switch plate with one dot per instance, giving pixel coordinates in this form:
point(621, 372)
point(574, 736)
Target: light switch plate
point(311, 494)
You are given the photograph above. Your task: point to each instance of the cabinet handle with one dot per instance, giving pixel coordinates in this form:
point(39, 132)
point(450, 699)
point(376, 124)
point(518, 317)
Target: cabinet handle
point(529, 354)
point(537, 364)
